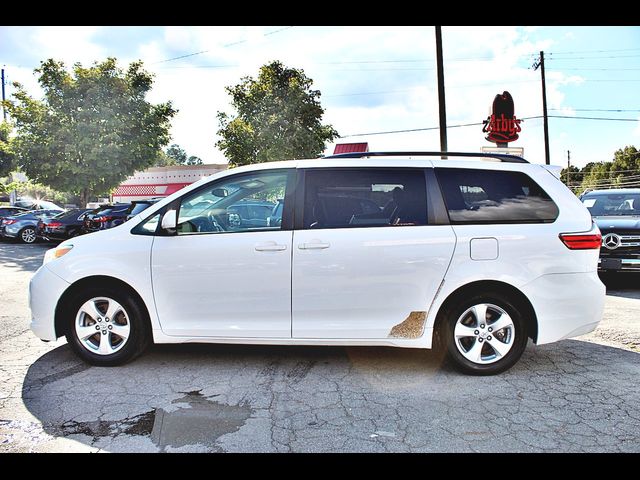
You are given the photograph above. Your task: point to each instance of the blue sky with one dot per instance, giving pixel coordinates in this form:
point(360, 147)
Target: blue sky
point(376, 79)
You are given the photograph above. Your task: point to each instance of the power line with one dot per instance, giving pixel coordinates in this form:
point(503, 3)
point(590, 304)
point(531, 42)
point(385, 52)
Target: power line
point(561, 52)
point(605, 57)
point(424, 129)
point(557, 68)
point(480, 123)
point(597, 118)
point(597, 109)
point(224, 46)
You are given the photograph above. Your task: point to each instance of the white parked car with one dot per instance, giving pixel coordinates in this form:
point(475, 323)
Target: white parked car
point(475, 255)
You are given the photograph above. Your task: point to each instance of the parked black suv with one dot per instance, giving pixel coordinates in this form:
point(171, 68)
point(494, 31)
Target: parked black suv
point(617, 214)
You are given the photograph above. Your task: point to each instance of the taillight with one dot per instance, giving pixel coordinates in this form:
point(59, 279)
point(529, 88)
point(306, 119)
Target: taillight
point(581, 241)
point(53, 224)
point(9, 222)
point(104, 219)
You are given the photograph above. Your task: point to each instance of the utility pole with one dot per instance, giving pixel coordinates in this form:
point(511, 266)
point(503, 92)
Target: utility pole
point(4, 111)
point(568, 169)
point(441, 101)
point(540, 63)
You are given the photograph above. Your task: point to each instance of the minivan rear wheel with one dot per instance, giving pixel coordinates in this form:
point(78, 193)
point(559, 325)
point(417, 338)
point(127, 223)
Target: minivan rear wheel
point(485, 334)
point(106, 327)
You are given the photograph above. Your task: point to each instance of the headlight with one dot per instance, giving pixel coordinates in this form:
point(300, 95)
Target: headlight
point(57, 252)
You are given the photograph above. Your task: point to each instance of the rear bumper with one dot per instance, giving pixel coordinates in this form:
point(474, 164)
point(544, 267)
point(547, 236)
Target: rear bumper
point(566, 304)
point(45, 289)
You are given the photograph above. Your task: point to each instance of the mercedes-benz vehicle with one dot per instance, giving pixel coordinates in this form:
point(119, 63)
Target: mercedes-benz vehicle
point(617, 214)
point(474, 254)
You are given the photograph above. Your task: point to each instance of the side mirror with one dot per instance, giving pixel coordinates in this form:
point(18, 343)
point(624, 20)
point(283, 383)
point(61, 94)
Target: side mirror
point(219, 192)
point(169, 220)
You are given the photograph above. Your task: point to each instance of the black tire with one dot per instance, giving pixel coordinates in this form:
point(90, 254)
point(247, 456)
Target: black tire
point(27, 235)
point(139, 336)
point(449, 318)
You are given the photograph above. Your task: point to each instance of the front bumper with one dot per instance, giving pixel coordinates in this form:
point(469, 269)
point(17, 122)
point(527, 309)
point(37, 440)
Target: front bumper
point(45, 289)
point(566, 304)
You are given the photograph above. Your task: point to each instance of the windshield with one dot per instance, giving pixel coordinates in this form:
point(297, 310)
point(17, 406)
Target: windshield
point(612, 204)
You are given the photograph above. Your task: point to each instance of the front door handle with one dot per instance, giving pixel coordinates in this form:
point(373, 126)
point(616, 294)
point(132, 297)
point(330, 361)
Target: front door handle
point(270, 247)
point(314, 246)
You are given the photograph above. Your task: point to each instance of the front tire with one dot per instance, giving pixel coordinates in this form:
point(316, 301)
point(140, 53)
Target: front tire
point(107, 326)
point(485, 334)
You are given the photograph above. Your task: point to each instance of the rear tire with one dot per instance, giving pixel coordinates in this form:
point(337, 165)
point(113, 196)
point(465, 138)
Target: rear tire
point(484, 334)
point(106, 326)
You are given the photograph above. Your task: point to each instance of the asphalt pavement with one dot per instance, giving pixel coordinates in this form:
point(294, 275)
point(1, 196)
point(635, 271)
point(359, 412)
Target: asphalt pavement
point(579, 395)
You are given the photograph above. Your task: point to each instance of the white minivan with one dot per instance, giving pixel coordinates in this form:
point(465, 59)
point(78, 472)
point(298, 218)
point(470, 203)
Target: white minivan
point(475, 254)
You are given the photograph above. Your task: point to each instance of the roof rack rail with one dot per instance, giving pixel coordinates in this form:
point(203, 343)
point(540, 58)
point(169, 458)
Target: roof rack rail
point(503, 157)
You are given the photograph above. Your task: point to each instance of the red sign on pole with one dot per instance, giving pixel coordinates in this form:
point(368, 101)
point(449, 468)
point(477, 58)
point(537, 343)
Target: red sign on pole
point(502, 126)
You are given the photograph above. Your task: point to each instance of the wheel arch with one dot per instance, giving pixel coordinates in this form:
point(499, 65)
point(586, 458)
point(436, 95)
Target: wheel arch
point(63, 305)
point(509, 291)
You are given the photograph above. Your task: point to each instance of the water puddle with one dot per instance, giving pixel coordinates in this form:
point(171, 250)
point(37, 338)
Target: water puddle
point(200, 421)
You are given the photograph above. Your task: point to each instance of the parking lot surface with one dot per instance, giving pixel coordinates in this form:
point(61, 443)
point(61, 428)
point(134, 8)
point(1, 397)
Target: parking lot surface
point(579, 395)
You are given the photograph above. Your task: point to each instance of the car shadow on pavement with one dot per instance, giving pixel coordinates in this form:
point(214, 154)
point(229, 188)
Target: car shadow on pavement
point(191, 396)
point(22, 256)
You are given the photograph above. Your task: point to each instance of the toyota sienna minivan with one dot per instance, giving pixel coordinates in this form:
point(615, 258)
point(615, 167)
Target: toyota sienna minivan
point(473, 254)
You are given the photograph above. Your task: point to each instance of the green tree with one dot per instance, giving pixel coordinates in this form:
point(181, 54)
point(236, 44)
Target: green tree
point(623, 171)
point(7, 155)
point(571, 177)
point(177, 153)
point(164, 160)
point(93, 127)
point(278, 118)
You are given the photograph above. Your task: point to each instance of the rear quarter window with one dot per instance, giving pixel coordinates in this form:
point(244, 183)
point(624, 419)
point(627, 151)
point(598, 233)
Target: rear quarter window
point(475, 196)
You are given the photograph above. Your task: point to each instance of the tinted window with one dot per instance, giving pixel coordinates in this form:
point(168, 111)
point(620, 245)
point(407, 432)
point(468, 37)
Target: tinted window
point(339, 198)
point(492, 196)
point(237, 204)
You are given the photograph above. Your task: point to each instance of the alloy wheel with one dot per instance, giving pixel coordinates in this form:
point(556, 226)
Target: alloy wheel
point(28, 235)
point(102, 325)
point(484, 333)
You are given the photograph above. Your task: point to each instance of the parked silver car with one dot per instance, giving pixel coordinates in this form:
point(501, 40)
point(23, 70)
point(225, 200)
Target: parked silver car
point(23, 226)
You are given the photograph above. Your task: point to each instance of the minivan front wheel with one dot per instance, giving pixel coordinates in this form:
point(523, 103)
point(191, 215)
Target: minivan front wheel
point(485, 334)
point(106, 327)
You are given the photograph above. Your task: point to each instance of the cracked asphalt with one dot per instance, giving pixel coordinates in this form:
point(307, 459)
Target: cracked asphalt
point(579, 395)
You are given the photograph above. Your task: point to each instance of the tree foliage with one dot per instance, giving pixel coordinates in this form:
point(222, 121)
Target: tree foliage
point(93, 127)
point(622, 172)
point(278, 118)
point(7, 155)
point(35, 190)
point(176, 155)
